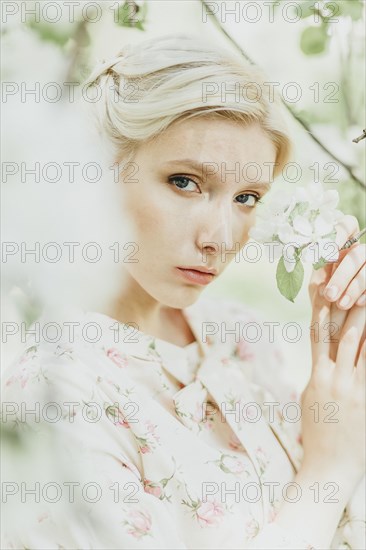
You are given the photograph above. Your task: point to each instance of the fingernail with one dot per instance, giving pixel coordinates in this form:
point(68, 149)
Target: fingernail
point(345, 301)
point(332, 292)
point(361, 300)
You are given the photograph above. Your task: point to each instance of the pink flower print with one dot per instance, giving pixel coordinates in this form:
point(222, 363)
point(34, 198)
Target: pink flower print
point(10, 380)
point(42, 517)
point(251, 412)
point(197, 416)
point(151, 430)
point(116, 416)
point(260, 453)
point(210, 513)
point(233, 464)
point(262, 458)
point(139, 522)
point(152, 488)
point(122, 422)
point(22, 378)
point(234, 443)
point(252, 527)
point(117, 358)
point(243, 351)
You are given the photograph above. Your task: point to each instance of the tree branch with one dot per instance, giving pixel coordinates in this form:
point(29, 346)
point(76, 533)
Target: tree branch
point(349, 169)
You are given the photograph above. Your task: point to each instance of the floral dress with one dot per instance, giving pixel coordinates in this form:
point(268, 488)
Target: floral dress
point(118, 439)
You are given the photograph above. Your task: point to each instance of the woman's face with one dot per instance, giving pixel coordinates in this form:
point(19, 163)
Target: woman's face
point(183, 215)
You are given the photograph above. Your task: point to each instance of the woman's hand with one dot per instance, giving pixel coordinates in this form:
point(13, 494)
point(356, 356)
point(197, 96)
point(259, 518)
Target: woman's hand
point(345, 278)
point(347, 274)
point(333, 402)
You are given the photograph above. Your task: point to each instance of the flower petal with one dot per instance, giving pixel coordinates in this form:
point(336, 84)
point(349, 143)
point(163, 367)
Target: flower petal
point(322, 226)
point(302, 225)
point(330, 199)
point(286, 233)
point(263, 232)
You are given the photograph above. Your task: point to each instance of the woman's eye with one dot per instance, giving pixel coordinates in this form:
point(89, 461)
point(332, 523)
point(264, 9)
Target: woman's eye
point(249, 199)
point(183, 183)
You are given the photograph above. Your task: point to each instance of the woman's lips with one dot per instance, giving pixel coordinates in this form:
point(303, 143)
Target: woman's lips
point(197, 277)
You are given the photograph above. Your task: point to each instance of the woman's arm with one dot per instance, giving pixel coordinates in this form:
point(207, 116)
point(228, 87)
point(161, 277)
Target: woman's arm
point(334, 452)
point(316, 521)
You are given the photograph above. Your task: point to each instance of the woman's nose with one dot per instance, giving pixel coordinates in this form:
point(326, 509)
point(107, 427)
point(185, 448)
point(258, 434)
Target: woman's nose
point(216, 230)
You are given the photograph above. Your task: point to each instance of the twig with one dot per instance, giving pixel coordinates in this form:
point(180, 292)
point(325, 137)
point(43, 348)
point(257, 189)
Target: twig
point(362, 136)
point(296, 116)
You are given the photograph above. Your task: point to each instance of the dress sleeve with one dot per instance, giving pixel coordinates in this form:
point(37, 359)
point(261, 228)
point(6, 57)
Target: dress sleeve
point(73, 485)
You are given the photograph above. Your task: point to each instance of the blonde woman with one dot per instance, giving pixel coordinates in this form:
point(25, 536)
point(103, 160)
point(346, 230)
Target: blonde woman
point(173, 431)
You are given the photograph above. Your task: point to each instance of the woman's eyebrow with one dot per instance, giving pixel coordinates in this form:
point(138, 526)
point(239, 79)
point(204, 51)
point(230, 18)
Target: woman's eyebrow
point(198, 166)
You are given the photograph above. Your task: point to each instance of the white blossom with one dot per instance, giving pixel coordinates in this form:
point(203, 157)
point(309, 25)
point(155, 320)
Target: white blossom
point(301, 222)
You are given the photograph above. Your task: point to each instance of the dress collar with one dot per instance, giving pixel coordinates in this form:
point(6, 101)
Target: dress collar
point(222, 376)
point(128, 340)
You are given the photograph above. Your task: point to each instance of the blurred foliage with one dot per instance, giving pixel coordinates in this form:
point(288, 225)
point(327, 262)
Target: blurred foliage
point(50, 32)
point(352, 200)
point(314, 39)
point(126, 15)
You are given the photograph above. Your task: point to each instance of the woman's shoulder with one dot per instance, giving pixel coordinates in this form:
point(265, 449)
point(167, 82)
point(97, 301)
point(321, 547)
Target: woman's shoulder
point(53, 355)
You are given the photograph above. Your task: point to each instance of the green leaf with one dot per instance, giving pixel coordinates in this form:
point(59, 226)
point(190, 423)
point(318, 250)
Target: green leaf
point(289, 284)
point(124, 18)
point(319, 264)
point(307, 8)
point(313, 40)
point(138, 25)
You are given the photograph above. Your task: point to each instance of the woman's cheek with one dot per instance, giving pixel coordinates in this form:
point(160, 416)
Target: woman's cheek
point(244, 228)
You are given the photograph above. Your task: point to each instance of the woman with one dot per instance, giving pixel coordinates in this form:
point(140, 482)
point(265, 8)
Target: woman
point(172, 431)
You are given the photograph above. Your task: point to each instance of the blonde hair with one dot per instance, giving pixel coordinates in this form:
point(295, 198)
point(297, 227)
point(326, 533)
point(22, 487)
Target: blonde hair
point(148, 86)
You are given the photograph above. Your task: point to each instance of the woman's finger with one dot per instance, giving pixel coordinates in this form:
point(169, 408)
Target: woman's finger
point(362, 300)
point(354, 290)
point(350, 266)
point(349, 343)
point(319, 329)
point(347, 227)
point(319, 278)
point(337, 320)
